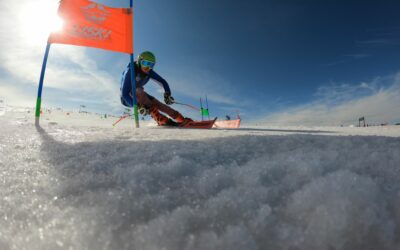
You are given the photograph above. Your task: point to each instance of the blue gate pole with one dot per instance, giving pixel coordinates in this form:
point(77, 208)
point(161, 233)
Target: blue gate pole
point(133, 79)
point(39, 95)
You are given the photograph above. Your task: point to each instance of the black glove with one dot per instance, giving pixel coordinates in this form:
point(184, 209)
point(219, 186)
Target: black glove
point(168, 99)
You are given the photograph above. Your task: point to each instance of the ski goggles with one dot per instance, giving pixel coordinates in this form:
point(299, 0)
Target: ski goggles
point(146, 63)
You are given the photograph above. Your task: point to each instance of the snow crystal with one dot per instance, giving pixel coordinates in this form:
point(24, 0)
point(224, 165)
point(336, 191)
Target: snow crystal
point(76, 182)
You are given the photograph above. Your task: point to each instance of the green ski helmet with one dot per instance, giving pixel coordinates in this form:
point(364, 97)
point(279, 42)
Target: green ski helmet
point(147, 56)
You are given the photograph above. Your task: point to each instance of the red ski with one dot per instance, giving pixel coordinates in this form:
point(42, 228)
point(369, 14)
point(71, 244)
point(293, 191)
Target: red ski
point(199, 124)
point(194, 124)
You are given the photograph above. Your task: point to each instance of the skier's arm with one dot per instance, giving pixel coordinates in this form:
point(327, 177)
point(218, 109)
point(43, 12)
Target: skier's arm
point(163, 83)
point(126, 88)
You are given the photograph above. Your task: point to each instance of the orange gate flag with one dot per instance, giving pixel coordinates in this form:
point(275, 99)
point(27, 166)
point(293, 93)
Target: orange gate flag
point(95, 25)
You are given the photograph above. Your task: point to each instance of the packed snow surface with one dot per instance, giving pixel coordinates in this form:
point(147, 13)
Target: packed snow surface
point(76, 182)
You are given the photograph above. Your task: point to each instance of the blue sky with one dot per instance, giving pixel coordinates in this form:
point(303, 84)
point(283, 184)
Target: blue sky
point(268, 59)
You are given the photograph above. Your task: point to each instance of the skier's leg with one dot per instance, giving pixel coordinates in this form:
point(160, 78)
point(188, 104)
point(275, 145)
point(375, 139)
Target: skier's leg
point(158, 117)
point(168, 110)
point(147, 101)
point(142, 98)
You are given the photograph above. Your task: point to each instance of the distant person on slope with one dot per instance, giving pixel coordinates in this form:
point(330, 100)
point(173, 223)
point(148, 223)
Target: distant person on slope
point(147, 104)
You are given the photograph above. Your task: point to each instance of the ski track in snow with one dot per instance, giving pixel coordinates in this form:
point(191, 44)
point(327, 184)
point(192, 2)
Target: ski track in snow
point(93, 187)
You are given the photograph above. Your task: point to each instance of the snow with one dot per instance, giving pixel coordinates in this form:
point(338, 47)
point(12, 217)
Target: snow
point(76, 182)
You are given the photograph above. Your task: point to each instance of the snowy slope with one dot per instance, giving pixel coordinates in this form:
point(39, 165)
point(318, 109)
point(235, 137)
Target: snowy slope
point(78, 183)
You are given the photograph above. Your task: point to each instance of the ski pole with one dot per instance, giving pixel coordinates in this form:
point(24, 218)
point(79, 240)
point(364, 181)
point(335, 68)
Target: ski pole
point(120, 119)
point(187, 105)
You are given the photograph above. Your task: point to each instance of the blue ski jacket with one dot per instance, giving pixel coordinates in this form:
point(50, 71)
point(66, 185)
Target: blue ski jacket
point(141, 80)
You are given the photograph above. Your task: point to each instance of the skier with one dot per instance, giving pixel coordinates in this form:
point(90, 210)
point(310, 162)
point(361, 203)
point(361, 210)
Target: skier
point(148, 104)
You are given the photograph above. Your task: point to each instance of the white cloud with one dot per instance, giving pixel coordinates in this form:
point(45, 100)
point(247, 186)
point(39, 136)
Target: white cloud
point(69, 68)
point(357, 56)
point(378, 42)
point(14, 96)
point(343, 104)
point(339, 93)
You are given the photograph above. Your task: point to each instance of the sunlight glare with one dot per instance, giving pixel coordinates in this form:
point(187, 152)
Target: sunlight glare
point(38, 20)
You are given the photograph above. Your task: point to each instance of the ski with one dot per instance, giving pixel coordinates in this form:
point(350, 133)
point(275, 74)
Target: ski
point(193, 124)
point(199, 124)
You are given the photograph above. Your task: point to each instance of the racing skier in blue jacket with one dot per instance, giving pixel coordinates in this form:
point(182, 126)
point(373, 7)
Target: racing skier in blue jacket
point(148, 104)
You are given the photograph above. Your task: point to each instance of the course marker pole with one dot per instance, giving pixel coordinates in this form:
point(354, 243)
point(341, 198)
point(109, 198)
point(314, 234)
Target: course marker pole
point(40, 88)
point(133, 79)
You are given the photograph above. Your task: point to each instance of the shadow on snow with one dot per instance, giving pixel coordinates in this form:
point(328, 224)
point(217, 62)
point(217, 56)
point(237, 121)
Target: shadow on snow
point(165, 192)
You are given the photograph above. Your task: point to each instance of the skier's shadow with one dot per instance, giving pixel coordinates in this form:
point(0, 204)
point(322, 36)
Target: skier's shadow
point(106, 180)
point(137, 181)
point(147, 168)
point(143, 169)
point(126, 183)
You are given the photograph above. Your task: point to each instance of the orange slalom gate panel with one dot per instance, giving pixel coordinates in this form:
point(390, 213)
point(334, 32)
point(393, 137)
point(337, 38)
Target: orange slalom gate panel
point(95, 25)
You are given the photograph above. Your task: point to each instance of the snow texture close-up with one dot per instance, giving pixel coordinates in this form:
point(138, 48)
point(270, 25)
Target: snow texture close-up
point(77, 182)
